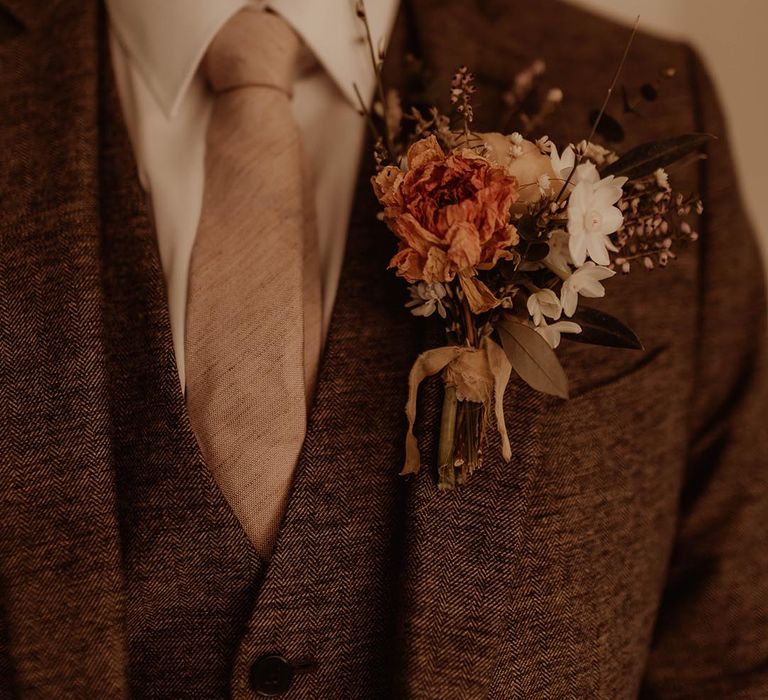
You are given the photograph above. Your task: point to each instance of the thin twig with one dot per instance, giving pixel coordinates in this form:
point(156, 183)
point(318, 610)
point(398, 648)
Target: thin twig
point(470, 326)
point(379, 83)
point(368, 118)
point(600, 114)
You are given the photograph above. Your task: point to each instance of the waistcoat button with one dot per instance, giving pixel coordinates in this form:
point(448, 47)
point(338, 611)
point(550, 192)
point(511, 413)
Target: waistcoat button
point(271, 675)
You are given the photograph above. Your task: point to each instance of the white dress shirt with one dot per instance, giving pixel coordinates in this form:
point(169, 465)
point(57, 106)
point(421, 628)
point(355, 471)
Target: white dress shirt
point(156, 50)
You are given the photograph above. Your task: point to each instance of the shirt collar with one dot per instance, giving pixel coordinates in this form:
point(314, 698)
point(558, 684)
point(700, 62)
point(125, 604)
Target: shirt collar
point(167, 40)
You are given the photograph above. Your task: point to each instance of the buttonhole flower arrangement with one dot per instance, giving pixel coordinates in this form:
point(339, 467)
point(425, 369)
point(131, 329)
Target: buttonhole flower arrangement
point(505, 237)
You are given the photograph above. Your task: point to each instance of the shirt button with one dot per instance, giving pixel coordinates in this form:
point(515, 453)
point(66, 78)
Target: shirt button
point(271, 675)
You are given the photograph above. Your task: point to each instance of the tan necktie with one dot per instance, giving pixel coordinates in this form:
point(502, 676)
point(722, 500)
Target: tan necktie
point(253, 316)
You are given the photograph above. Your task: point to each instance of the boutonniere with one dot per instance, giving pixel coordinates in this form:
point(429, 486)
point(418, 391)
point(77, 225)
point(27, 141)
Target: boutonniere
point(504, 235)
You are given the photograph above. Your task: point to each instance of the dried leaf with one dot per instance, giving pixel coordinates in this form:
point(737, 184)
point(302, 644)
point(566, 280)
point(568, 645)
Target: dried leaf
point(480, 298)
point(599, 328)
point(532, 358)
point(645, 159)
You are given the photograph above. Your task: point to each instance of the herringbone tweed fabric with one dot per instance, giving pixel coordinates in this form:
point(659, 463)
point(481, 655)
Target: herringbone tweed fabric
point(621, 554)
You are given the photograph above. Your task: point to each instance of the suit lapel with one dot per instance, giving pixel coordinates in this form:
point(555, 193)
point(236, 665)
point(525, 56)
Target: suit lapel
point(64, 612)
point(461, 547)
point(464, 551)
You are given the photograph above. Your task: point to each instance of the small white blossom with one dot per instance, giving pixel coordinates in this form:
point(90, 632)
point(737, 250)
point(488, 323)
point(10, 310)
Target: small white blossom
point(592, 216)
point(552, 334)
point(584, 281)
point(543, 303)
point(559, 257)
point(516, 144)
point(562, 164)
point(597, 153)
point(544, 184)
point(544, 145)
point(662, 179)
point(426, 298)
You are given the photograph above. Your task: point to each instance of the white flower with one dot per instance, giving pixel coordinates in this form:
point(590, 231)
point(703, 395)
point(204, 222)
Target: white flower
point(592, 218)
point(662, 179)
point(552, 333)
point(426, 298)
point(559, 257)
point(543, 303)
point(586, 172)
point(544, 144)
point(562, 165)
point(597, 153)
point(544, 184)
point(584, 281)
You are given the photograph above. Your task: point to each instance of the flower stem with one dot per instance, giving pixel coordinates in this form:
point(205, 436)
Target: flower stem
point(445, 454)
point(469, 330)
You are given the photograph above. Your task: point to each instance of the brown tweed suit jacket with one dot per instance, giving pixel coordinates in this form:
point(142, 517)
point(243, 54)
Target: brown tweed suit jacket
point(622, 553)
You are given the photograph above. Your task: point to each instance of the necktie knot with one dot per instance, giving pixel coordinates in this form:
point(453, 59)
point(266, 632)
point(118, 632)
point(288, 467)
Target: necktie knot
point(253, 49)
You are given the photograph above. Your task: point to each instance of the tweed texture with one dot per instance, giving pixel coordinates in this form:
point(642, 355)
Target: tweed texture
point(620, 554)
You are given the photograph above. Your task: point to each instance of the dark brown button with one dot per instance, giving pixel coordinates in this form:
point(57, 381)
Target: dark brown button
point(271, 675)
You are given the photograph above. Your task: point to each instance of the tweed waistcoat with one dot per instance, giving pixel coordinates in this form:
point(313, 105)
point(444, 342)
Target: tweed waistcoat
point(621, 552)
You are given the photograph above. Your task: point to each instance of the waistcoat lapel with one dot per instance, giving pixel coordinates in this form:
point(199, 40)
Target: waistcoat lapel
point(190, 571)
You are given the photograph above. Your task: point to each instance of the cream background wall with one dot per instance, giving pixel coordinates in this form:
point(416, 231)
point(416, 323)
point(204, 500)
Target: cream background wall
point(732, 35)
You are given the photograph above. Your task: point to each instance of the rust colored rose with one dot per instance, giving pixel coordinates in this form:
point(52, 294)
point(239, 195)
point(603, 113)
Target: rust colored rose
point(449, 212)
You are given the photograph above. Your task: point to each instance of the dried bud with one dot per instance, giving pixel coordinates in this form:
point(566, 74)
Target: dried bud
point(555, 95)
